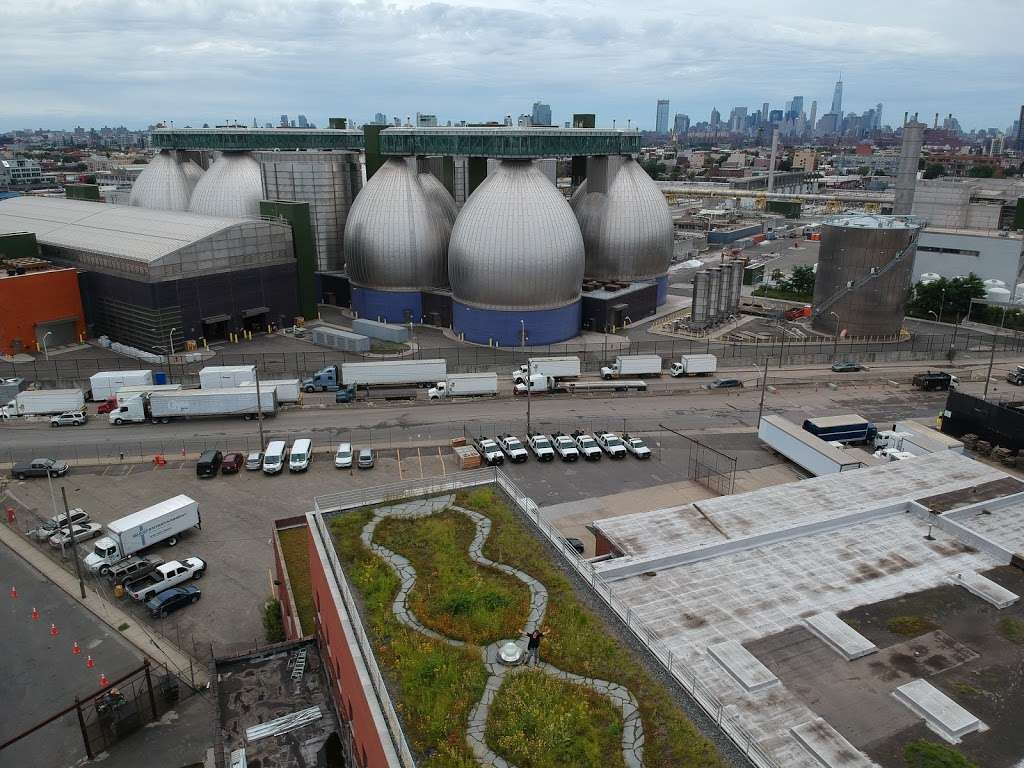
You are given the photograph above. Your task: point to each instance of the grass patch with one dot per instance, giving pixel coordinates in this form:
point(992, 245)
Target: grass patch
point(437, 684)
point(296, 560)
point(775, 293)
point(930, 754)
point(538, 721)
point(273, 625)
point(453, 595)
point(381, 347)
point(1012, 629)
point(966, 689)
point(910, 626)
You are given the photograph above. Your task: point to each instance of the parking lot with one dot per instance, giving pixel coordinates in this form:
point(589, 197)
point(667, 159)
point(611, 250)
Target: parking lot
point(238, 511)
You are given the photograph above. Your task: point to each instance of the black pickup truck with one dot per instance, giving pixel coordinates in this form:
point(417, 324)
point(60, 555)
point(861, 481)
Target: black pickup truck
point(39, 468)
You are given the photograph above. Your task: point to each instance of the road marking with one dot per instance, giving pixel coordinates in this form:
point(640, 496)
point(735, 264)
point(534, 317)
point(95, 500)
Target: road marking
point(441, 457)
point(398, 453)
point(419, 457)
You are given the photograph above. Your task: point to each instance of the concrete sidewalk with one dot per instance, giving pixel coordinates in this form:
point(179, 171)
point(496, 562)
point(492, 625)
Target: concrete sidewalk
point(148, 642)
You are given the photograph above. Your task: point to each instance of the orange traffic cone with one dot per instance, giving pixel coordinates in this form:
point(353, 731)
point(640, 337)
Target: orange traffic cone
point(75, 649)
point(35, 615)
point(53, 630)
point(14, 591)
point(89, 663)
point(103, 679)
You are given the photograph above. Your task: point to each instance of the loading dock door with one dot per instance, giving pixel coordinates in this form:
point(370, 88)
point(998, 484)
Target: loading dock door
point(61, 332)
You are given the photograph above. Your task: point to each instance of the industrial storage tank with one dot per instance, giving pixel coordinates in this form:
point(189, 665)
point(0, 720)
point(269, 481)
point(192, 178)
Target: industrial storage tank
point(626, 224)
point(515, 262)
point(231, 188)
point(864, 273)
point(396, 244)
point(193, 173)
point(439, 195)
point(162, 185)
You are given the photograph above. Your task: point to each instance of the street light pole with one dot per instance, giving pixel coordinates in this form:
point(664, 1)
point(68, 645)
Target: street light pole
point(74, 552)
point(942, 302)
point(835, 339)
point(46, 352)
point(170, 338)
point(259, 406)
point(992, 356)
point(764, 386)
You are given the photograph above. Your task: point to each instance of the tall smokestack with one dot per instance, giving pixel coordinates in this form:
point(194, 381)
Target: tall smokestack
point(906, 177)
point(771, 162)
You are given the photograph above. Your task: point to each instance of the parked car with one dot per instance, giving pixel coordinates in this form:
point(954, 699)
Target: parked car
point(565, 447)
point(69, 419)
point(541, 447)
point(587, 445)
point(165, 576)
point(208, 464)
point(79, 532)
point(343, 456)
point(232, 464)
point(51, 525)
point(254, 461)
point(172, 599)
point(366, 458)
point(490, 450)
point(847, 367)
point(725, 384)
point(611, 444)
point(575, 543)
point(636, 446)
point(40, 468)
point(132, 568)
point(513, 448)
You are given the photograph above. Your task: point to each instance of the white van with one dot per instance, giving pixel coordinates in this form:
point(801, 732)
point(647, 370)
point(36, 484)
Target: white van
point(343, 457)
point(300, 455)
point(273, 459)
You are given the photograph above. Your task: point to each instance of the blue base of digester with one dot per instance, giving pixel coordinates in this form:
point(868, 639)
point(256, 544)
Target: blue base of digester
point(387, 306)
point(504, 327)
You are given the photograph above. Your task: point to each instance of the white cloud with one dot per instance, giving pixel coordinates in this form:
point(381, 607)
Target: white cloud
point(137, 61)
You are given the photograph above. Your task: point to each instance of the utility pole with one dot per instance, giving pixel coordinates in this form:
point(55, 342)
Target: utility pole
point(74, 552)
point(259, 406)
point(764, 386)
point(992, 356)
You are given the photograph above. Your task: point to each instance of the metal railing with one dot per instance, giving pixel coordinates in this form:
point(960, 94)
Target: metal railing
point(730, 723)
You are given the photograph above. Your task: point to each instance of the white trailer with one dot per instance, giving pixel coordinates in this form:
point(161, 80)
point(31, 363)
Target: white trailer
point(105, 384)
point(619, 385)
point(466, 385)
point(916, 439)
point(695, 365)
point(394, 372)
point(190, 403)
point(551, 367)
point(44, 402)
point(223, 376)
point(804, 449)
point(124, 394)
point(633, 365)
point(287, 389)
point(165, 521)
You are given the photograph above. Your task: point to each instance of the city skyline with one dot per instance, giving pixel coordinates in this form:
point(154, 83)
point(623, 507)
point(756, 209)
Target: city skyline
point(210, 62)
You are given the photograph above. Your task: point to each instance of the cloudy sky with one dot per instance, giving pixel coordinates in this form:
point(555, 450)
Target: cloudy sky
point(94, 62)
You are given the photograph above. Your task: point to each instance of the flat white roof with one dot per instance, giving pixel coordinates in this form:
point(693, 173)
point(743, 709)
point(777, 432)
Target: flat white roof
point(143, 515)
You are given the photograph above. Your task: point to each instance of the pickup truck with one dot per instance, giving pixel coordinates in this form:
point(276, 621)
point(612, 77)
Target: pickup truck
point(565, 447)
point(1016, 376)
point(636, 446)
point(611, 444)
point(587, 445)
point(489, 450)
point(933, 380)
point(39, 468)
point(164, 577)
point(541, 447)
point(513, 448)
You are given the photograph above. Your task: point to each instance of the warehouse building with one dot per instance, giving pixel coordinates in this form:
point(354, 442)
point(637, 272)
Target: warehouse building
point(989, 254)
point(150, 276)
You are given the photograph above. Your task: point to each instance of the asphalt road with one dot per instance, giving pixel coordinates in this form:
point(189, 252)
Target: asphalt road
point(39, 673)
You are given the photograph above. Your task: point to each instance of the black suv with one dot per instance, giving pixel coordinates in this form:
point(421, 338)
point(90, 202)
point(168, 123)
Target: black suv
point(209, 463)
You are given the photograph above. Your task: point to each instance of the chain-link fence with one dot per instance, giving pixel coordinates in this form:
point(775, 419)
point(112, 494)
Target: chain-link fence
point(75, 372)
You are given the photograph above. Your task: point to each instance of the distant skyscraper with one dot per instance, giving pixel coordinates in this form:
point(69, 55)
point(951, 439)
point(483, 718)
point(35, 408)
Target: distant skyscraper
point(380, 118)
point(764, 112)
point(681, 124)
point(302, 121)
point(837, 98)
point(878, 116)
point(661, 121)
point(814, 113)
point(796, 107)
point(541, 114)
point(284, 121)
point(1020, 129)
point(776, 116)
point(716, 119)
point(426, 121)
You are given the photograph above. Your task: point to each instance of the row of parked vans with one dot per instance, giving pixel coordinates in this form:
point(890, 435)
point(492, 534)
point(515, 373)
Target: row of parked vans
point(277, 456)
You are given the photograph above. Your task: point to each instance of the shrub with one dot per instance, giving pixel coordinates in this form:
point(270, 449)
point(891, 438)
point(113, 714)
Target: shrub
point(911, 626)
point(273, 625)
point(929, 754)
point(1012, 629)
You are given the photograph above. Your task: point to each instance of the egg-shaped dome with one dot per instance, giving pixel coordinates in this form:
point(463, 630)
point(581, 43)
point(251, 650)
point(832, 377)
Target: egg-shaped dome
point(627, 231)
point(162, 185)
point(516, 244)
point(233, 187)
point(439, 195)
point(193, 173)
point(395, 237)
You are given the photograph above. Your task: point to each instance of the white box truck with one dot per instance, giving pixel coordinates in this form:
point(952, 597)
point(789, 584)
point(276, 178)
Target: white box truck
point(388, 372)
point(633, 365)
point(224, 376)
point(163, 522)
point(105, 384)
point(550, 367)
point(162, 407)
point(695, 365)
point(45, 402)
point(465, 385)
point(287, 389)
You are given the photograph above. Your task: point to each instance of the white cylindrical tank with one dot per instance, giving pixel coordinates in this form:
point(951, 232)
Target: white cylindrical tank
point(233, 188)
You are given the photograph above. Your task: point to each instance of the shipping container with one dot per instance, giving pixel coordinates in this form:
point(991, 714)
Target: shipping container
point(105, 384)
point(394, 372)
point(222, 376)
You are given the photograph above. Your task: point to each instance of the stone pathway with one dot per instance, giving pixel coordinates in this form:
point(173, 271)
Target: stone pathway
point(621, 698)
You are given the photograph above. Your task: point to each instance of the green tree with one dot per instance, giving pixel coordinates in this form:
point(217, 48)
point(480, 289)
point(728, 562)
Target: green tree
point(934, 170)
point(801, 279)
point(951, 297)
point(981, 172)
point(864, 170)
point(654, 169)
